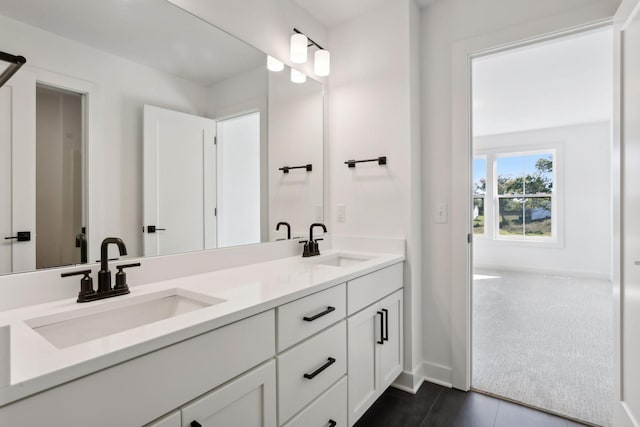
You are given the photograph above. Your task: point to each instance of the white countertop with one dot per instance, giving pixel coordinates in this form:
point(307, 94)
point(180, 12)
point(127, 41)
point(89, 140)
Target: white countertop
point(37, 365)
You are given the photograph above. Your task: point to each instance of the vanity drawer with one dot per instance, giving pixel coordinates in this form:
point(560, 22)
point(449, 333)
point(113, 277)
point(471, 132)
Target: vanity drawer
point(307, 370)
point(366, 290)
point(331, 406)
point(304, 317)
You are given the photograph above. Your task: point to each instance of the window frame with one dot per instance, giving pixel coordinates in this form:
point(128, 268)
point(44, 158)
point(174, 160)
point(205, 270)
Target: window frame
point(492, 198)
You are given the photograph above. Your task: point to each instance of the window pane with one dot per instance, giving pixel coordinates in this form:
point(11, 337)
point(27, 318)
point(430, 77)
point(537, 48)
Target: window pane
point(538, 217)
point(479, 177)
point(478, 215)
point(530, 174)
point(510, 219)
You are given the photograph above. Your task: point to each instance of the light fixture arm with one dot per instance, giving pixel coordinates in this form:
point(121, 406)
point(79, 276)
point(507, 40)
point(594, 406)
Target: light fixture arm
point(311, 42)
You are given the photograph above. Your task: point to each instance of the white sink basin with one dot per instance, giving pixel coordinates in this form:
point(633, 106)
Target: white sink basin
point(93, 322)
point(339, 260)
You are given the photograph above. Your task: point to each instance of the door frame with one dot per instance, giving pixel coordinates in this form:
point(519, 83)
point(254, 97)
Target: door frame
point(92, 150)
point(461, 266)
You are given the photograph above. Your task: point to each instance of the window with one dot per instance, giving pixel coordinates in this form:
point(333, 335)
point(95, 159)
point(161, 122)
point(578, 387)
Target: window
point(514, 196)
point(479, 194)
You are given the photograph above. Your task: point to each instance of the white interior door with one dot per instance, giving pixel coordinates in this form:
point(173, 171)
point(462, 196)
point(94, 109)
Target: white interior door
point(18, 172)
point(179, 182)
point(627, 404)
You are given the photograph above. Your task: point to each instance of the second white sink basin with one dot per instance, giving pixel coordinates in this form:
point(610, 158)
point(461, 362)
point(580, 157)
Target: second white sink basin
point(339, 260)
point(90, 323)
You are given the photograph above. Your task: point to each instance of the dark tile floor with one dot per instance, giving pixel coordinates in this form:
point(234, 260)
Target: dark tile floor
point(437, 406)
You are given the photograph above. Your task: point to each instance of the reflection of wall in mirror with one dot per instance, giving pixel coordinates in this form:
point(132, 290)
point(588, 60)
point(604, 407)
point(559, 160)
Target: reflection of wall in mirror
point(295, 138)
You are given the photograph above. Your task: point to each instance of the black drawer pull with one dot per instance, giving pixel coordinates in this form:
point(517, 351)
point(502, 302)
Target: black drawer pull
point(332, 423)
point(317, 316)
point(385, 337)
point(330, 361)
point(381, 327)
point(195, 424)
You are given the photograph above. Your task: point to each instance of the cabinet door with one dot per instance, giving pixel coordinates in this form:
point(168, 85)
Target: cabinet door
point(249, 401)
point(364, 336)
point(391, 352)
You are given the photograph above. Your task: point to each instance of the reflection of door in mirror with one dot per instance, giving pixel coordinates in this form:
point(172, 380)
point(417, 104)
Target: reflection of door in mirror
point(239, 180)
point(59, 202)
point(17, 173)
point(179, 182)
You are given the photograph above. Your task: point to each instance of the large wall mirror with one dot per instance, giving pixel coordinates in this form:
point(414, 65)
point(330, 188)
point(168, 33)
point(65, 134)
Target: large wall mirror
point(138, 120)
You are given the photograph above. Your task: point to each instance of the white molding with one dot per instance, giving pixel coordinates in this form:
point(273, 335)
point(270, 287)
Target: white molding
point(426, 371)
point(438, 374)
point(563, 24)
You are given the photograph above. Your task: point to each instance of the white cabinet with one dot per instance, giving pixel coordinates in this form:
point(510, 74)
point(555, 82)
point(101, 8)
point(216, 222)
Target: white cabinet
point(330, 409)
point(249, 401)
point(374, 352)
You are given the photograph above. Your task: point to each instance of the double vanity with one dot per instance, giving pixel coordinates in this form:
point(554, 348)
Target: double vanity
point(289, 342)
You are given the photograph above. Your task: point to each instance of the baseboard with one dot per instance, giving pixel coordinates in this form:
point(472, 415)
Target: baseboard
point(437, 374)
point(432, 372)
point(544, 271)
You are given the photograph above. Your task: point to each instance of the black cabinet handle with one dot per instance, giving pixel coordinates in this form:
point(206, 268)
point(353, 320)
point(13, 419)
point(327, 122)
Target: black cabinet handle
point(317, 316)
point(381, 327)
point(332, 423)
point(21, 236)
point(330, 361)
point(195, 424)
point(385, 337)
point(153, 229)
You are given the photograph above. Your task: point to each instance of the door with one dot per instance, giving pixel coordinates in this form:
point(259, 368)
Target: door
point(179, 182)
point(627, 405)
point(391, 351)
point(364, 338)
point(18, 173)
point(249, 401)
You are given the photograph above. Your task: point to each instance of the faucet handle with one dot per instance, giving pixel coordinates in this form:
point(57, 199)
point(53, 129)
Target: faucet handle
point(121, 276)
point(86, 284)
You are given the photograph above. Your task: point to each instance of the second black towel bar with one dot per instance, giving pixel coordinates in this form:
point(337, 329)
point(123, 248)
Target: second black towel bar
point(286, 169)
point(381, 161)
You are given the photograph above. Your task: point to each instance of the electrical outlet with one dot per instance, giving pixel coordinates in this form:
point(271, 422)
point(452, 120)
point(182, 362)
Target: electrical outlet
point(340, 213)
point(441, 214)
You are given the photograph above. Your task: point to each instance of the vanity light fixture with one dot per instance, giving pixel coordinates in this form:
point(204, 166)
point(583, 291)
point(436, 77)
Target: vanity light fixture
point(300, 43)
point(297, 76)
point(273, 64)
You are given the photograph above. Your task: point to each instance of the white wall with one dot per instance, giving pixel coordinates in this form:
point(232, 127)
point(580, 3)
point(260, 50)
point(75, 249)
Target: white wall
point(443, 23)
point(584, 169)
point(124, 88)
point(373, 98)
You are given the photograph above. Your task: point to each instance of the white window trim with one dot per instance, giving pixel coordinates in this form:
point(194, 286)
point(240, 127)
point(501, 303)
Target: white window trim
point(491, 234)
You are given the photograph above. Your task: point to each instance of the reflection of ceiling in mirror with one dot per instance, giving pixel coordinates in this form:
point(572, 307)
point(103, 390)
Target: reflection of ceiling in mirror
point(174, 41)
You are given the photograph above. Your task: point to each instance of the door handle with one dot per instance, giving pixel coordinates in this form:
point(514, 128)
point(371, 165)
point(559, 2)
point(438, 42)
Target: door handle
point(21, 236)
point(153, 229)
point(385, 337)
point(381, 327)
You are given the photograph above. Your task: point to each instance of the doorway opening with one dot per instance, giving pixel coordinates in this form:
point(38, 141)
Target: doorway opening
point(542, 321)
point(61, 236)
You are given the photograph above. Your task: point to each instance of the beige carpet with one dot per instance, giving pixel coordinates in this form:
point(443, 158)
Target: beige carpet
point(545, 341)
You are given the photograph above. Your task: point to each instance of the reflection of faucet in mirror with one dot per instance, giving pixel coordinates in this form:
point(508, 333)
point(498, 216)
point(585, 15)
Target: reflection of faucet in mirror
point(286, 224)
point(81, 242)
point(311, 246)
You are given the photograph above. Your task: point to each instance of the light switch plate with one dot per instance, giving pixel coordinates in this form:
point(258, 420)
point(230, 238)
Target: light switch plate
point(340, 213)
point(441, 214)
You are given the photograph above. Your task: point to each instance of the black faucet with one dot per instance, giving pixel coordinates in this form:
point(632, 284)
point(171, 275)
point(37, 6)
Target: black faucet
point(311, 246)
point(104, 275)
point(286, 224)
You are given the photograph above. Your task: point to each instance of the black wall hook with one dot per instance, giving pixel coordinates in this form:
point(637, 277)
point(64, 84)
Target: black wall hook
point(381, 161)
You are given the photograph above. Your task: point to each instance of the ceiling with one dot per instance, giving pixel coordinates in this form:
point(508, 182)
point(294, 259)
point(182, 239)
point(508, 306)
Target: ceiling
point(558, 83)
point(333, 12)
point(174, 41)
